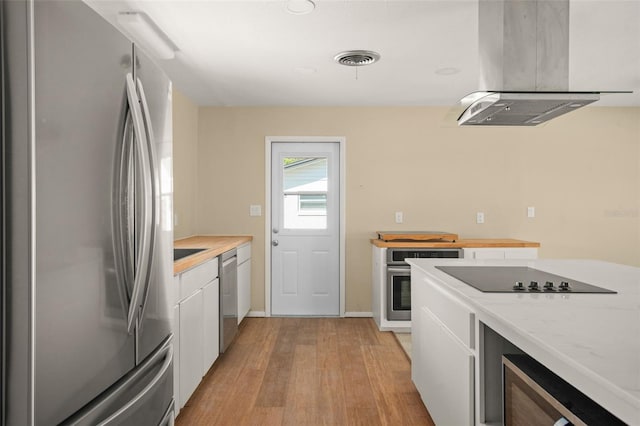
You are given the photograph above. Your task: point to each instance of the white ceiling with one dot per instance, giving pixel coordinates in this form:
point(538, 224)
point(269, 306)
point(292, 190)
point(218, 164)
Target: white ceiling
point(255, 53)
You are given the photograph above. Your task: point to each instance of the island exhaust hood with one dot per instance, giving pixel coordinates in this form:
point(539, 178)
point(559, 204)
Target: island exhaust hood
point(524, 65)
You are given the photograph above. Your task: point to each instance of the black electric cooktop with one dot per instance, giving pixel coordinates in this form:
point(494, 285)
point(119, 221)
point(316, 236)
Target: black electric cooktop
point(517, 279)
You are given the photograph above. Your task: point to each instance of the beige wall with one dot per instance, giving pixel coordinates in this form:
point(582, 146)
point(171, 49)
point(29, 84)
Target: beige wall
point(581, 172)
point(185, 151)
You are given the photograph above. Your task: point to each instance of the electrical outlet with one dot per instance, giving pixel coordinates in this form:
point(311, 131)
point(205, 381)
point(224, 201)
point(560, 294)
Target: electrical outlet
point(531, 212)
point(480, 217)
point(255, 210)
point(399, 217)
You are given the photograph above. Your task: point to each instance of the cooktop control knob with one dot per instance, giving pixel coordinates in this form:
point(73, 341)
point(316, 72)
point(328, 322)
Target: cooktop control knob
point(519, 286)
point(548, 286)
point(564, 286)
point(533, 286)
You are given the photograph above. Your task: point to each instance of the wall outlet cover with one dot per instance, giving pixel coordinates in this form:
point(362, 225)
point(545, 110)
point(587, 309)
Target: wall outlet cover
point(531, 212)
point(255, 210)
point(399, 217)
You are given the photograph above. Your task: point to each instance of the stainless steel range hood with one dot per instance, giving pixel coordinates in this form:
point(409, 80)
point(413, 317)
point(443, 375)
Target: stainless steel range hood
point(524, 64)
point(522, 108)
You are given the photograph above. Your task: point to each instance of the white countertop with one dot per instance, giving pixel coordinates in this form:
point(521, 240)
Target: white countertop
point(590, 340)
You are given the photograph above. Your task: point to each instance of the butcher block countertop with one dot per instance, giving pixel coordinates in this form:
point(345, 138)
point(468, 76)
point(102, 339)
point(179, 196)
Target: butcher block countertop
point(215, 245)
point(463, 243)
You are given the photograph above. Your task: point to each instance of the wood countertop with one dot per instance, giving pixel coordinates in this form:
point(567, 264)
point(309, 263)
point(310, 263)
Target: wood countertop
point(464, 243)
point(215, 245)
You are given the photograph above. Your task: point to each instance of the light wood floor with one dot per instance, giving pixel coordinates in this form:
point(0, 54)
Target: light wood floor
point(308, 371)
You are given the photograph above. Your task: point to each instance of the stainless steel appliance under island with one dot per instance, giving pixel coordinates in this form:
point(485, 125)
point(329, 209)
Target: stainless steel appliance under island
point(87, 227)
point(590, 340)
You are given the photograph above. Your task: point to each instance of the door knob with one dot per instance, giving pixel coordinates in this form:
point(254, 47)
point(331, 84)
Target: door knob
point(275, 230)
point(275, 243)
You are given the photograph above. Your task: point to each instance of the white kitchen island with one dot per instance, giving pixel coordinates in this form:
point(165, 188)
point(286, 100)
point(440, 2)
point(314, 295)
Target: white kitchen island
point(592, 341)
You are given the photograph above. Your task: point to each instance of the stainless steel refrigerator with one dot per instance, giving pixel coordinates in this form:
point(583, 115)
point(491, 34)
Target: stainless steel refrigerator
point(86, 181)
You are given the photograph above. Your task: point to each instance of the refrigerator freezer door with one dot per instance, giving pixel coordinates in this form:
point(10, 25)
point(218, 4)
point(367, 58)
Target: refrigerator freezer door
point(17, 398)
point(143, 398)
point(154, 91)
point(81, 343)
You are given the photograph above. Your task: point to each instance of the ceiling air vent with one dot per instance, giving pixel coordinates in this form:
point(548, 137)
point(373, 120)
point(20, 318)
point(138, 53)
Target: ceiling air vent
point(357, 58)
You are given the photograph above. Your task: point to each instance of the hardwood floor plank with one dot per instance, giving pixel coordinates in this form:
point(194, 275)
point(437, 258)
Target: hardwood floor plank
point(264, 416)
point(332, 408)
point(308, 371)
point(273, 391)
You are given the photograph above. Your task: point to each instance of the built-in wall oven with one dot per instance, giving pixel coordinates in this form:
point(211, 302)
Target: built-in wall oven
point(399, 277)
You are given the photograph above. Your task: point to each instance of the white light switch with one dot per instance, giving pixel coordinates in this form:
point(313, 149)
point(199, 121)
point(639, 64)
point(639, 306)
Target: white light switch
point(255, 210)
point(399, 217)
point(531, 212)
point(480, 217)
point(175, 219)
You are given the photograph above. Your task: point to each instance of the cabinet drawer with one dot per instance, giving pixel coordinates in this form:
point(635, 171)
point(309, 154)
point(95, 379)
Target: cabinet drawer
point(198, 277)
point(456, 316)
point(483, 254)
point(175, 290)
point(500, 253)
point(244, 253)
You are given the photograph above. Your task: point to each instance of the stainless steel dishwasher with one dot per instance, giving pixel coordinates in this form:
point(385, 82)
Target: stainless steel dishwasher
point(228, 298)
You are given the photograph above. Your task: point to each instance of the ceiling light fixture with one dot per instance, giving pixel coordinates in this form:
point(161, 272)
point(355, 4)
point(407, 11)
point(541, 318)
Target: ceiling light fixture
point(300, 7)
point(145, 32)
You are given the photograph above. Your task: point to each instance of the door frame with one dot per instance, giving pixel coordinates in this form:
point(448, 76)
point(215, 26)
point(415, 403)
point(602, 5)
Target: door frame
point(269, 141)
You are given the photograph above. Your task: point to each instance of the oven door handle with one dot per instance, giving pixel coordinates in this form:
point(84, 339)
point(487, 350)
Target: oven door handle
point(405, 271)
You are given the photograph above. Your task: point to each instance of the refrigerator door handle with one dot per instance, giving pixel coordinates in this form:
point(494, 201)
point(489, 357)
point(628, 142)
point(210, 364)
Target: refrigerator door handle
point(154, 182)
point(122, 242)
point(167, 352)
point(142, 258)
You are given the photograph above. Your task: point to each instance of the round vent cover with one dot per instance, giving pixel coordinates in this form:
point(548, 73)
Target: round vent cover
point(357, 58)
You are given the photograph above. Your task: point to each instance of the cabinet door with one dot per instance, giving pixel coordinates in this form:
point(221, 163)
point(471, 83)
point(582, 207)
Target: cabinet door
point(211, 326)
point(191, 345)
point(176, 358)
point(244, 289)
point(444, 373)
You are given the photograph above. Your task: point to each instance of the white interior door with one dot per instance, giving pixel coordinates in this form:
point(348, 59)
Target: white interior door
point(305, 228)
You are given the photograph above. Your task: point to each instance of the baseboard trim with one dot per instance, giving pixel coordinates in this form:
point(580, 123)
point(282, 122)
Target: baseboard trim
point(358, 314)
point(256, 314)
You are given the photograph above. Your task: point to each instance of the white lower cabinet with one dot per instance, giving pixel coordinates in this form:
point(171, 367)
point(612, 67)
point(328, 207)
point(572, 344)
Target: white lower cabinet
point(196, 328)
point(443, 372)
point(191, 344)
point(442, 353)
point(211, 321)
point(244, 280)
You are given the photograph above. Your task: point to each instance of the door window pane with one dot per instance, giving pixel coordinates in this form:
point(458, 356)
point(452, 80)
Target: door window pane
point(305, 192)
